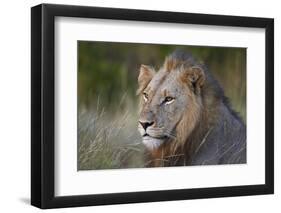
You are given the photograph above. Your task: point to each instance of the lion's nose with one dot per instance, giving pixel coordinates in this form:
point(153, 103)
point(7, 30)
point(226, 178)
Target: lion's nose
point(146, 124)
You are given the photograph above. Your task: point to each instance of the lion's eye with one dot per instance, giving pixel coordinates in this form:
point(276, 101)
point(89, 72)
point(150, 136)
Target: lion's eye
point(168, 100)
point(145, 96)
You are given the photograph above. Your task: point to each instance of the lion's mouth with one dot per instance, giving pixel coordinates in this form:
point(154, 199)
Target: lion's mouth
point(153, 140)
point(159, 137)
point(152, 143)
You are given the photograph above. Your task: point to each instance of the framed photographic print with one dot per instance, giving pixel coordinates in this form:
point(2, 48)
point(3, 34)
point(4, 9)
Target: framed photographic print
point(139, 106)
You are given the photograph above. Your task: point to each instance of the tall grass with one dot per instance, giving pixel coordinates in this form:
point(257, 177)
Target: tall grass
point(108, 140)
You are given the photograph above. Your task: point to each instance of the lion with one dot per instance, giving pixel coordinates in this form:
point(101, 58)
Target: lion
point(185, 118)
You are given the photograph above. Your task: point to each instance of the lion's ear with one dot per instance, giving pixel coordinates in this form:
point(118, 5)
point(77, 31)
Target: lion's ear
point(145, 76)
point(195, 77)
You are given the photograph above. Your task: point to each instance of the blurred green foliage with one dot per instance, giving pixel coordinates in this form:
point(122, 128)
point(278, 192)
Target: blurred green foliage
point(107, 71)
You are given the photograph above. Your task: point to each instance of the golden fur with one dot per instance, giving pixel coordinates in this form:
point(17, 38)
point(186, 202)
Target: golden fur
point(178, 131)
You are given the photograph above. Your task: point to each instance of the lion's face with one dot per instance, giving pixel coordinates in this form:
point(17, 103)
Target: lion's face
point(167, 103)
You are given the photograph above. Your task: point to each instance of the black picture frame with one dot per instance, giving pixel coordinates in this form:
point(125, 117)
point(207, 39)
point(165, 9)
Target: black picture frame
point(43, 102)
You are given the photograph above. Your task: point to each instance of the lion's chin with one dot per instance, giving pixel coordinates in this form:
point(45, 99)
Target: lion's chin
point(152, 143)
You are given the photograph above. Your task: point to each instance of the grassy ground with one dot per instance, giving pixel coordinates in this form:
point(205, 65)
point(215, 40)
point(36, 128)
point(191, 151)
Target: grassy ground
point(108, 140)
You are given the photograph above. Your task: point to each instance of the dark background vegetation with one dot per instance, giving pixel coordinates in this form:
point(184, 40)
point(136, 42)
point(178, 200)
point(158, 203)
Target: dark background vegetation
point(108, 106)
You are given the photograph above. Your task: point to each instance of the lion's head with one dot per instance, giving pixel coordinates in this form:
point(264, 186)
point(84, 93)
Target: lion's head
point(171, 100)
